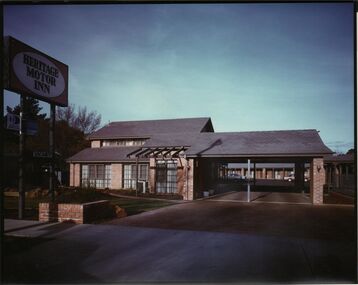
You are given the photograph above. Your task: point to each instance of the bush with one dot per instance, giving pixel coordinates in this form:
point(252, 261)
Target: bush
point(79, 195)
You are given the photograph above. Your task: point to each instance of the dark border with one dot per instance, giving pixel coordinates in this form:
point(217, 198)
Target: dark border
point(91, 2)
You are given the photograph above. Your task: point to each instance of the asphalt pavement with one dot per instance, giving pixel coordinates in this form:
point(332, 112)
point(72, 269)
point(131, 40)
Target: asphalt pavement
point(203, 241)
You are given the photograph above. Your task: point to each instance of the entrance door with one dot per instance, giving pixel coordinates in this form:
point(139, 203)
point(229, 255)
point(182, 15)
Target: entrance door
point(166, 176)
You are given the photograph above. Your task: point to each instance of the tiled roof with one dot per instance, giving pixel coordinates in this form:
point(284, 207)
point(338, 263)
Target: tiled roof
point(265, 143)
point(343, 158)
point(103, 154)
point(146, 129)
point(288, 143)
point(172, 139)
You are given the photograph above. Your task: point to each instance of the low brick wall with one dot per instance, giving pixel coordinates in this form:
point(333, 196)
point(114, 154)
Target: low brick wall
point(78, 213)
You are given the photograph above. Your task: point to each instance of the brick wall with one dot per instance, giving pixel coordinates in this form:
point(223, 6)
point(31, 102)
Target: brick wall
point(95, 144)
point(317, 175)
point(116, 180)
point(77, 213)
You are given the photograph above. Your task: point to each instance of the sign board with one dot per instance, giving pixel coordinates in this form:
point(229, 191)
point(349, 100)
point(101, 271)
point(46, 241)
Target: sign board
point(32, 73)
point(12, 122)
point(31, 127)
point(42, 154)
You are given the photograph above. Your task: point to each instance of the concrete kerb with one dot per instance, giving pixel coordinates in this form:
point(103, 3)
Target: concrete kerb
point(215, 196)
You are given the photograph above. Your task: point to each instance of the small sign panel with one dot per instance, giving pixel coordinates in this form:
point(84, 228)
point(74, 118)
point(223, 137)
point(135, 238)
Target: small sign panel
point(12, 122)
point(33, 73)
point(31, 127)
point(42, 154)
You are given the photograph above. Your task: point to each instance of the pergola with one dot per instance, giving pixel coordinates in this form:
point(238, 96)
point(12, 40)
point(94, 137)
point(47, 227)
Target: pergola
point(158, 152)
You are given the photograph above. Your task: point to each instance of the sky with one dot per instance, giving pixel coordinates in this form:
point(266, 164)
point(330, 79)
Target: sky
point(250, 67)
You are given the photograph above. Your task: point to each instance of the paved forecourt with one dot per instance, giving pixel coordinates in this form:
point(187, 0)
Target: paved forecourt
point(198, 241)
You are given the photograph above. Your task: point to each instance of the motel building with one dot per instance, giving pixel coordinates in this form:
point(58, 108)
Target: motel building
point(186, 157)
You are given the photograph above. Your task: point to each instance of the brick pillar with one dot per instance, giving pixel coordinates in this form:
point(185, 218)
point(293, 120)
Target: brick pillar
point(116, 179)
point(77, 175)
point(152, 175)
point(75, 172)
point(317, 176)
point(181, 173)
point(72, 174)
point(189, 183)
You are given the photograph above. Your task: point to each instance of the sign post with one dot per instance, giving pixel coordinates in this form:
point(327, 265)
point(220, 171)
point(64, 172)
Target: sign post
point(30, 72)
point(52, 152)
point(2, 180)
point(21, 161)
point(248, 180)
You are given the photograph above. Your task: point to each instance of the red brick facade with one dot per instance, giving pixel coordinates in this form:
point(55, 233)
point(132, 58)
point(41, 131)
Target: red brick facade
point(77, 213)
point(317, 180)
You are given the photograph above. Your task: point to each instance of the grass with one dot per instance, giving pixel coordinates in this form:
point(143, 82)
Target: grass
point(132, 206)
point(132, 192)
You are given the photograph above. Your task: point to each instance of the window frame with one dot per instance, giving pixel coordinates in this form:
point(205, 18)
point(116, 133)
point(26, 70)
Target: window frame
point(129, 179)
point(166, 176)
point(97, 175)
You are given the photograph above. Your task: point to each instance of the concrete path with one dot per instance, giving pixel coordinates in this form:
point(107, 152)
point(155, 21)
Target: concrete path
point(267, 197)
point(192, 242)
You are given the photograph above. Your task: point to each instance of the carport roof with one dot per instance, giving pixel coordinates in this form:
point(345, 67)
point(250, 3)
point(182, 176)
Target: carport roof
point(341, 158)
point(263, 143)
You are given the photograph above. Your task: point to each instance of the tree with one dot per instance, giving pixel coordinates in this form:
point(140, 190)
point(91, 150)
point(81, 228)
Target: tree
point(68, 141)
point(31, 109)
point(351, 151)
point(83, 120)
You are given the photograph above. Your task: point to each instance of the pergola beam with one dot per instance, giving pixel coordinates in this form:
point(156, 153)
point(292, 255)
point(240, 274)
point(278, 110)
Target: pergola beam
point(133, 152)
point(178, 151)
point(145, 152)
point(157, 151)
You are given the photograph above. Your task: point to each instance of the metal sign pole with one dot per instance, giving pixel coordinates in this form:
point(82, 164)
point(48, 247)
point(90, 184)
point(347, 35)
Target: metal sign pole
point(2, 139)
point(137, 176)
point(248, 180)
point(21, 161)
point(52, 152)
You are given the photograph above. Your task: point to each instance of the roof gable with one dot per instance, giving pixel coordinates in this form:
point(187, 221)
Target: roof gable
point(145, 129)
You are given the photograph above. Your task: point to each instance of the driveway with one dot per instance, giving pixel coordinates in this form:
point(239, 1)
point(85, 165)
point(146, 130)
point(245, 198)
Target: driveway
point(202, 241)
point(266, 197)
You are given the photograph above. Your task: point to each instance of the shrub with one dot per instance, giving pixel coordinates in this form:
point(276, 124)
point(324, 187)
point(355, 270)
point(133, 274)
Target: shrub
point(79, 195)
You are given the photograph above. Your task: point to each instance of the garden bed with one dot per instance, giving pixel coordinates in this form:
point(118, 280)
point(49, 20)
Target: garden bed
point(131, 206)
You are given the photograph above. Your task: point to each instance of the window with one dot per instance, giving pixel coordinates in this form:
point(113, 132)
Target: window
point(130, 175)
point(166, 176)
point(124, 142)
point(96, 175)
